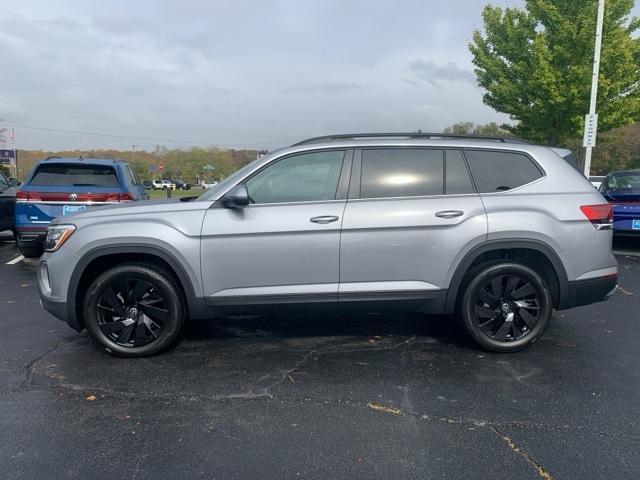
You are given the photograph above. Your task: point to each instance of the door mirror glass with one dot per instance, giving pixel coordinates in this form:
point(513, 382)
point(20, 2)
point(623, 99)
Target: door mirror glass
point(238, 197)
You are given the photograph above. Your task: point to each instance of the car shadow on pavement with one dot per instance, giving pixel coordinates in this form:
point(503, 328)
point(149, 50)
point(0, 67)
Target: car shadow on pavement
point(442, 328)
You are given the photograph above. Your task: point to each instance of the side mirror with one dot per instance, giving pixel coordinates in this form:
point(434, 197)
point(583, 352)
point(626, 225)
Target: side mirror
point(14, 182)
point(237, 197)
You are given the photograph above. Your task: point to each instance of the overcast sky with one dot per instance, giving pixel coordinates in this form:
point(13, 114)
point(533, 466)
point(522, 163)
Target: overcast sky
point(257, 73)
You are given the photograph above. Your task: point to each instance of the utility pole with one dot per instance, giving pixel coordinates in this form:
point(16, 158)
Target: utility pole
point(591, 120)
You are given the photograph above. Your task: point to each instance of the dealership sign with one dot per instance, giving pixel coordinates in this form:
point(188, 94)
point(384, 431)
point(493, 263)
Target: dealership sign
point(7, 157)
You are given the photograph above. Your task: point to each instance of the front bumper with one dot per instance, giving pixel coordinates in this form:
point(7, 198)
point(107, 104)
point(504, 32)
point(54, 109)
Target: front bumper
point(592, 290)
point(53, 305)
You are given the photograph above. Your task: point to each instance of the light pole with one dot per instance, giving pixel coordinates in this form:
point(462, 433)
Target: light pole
point(591, 120)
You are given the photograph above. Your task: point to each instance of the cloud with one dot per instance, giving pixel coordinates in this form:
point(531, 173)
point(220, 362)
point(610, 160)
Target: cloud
point(328, 88)
point(437, 74)
point(260, 73)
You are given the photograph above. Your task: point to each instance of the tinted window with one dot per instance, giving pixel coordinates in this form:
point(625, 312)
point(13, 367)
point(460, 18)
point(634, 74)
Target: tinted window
point(301, 178)
point(3, 181)
point(401, 172)
point(130, 178)
point(500, 171)
point(75, 175)
point(457, 175)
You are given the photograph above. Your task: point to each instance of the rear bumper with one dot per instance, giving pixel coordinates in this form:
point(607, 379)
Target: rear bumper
point(31, 235)
point(592, 290)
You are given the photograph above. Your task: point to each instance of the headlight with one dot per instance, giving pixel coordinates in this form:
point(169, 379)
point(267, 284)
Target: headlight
point(57, 235)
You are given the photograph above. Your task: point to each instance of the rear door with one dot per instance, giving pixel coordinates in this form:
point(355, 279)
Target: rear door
point(412, 214)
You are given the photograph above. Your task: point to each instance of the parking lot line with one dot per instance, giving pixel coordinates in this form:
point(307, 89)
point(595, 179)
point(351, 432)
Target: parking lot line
point(15, 260)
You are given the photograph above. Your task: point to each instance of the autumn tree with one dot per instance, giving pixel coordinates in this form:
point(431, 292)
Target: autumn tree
point(535, 63)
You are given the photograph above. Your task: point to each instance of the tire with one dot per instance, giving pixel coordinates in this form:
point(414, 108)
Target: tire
point(31, 251)
point(134, 310)
point(505, 306)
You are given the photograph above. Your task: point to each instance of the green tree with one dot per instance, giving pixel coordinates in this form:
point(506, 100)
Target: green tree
point(470, 128)
point(535, 64)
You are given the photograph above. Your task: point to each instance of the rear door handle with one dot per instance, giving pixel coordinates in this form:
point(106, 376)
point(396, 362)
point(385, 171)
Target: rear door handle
point(449, 213)
point(324, 219)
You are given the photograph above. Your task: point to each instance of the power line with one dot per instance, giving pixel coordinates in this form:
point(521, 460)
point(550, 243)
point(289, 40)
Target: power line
point(130, 137)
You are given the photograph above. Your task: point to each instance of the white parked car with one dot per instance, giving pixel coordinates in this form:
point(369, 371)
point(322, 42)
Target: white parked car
point(206, 185)
point(596, 181)
point(163, 185)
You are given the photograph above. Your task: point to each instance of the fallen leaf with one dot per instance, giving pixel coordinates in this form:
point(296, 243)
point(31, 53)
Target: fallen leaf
point(90, 398)
point(379, 407)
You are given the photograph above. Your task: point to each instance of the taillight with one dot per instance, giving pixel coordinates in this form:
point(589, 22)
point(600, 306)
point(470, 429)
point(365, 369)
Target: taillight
point(119, 197)
point(22, 195)
point(601, 215)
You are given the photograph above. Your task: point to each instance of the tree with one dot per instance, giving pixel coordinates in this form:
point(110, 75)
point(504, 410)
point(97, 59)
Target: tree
point(535, 64)
point(470, 128)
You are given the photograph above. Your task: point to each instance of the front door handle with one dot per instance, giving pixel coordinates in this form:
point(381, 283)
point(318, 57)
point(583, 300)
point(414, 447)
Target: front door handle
point(324, 219)
point(449, 213)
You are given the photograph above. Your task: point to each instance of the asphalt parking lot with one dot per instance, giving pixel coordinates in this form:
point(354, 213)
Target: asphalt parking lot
point(355, 397)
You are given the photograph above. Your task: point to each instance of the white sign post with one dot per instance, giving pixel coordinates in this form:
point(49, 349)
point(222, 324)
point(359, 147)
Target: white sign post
point(591, 121)
point(590, 130)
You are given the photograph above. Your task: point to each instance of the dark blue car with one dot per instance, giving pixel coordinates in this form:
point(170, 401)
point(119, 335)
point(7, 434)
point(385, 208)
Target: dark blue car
point(60, 186)
point(622, 190)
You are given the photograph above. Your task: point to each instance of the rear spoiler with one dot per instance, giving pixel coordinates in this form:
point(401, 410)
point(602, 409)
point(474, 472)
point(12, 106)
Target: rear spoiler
point(568, 156)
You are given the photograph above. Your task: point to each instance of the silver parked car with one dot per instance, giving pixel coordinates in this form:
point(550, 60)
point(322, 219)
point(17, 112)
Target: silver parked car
point(494, 230)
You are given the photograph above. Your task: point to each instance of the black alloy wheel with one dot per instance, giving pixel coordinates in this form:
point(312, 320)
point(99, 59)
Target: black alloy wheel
point(506, 306)
point(134, 310)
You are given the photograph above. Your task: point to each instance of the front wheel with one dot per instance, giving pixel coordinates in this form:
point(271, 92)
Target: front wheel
point(134, 310)
point(505, 307)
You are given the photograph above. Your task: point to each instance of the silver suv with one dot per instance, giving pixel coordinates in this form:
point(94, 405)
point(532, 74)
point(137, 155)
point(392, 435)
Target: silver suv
point(494, 230)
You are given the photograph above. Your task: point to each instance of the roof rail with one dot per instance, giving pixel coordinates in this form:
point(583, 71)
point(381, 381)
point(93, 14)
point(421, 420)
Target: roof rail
point(456, 136)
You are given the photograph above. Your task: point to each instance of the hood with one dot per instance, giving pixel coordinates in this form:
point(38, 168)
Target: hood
point(138, 208)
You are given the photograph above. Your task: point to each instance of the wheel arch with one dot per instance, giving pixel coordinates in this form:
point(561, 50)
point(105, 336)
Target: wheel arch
point(510, 249)
point(96, 260)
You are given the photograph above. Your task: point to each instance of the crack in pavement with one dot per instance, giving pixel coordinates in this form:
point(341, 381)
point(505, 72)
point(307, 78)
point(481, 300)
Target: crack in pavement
point(527, 456)
point(29, 367)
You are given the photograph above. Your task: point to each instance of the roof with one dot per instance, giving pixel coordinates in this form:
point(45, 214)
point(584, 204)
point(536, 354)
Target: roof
point(342, 137)
point(84, 160)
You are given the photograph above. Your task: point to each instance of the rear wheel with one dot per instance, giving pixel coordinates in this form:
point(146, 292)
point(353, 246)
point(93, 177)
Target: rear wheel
point(134, 310)
point(505, 307)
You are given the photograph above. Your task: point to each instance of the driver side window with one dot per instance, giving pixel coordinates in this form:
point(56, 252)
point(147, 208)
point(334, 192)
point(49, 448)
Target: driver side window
point(307, 177)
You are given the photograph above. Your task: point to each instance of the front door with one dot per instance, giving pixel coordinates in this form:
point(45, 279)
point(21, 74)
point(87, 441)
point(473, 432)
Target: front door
point(284, 247)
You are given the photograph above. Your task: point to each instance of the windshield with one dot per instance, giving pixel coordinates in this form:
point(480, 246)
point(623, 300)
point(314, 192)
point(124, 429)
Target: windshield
point(624, 183)
point(224, 184)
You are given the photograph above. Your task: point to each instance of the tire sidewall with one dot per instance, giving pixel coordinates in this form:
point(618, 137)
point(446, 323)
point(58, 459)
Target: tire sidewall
point(168, 289)
point(483, 275)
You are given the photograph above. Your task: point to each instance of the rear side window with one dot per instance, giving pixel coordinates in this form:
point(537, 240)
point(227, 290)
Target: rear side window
point(75, 175)
point(500, 171)
point(457, 180)
point(401, 172)
point(130, 178)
